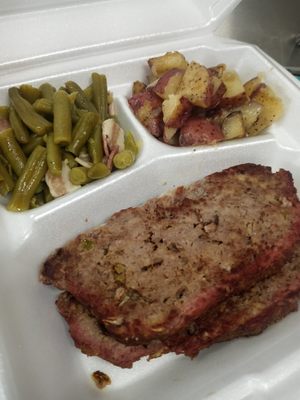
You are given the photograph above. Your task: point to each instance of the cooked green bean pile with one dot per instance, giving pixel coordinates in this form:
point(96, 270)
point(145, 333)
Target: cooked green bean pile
point(54, 141)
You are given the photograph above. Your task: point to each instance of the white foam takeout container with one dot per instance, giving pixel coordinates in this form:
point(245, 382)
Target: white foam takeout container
point(56, 41)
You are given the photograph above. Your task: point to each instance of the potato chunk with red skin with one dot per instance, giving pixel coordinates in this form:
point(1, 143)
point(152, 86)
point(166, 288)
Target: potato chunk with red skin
point(176, 110)
point(168, 83)
point(197, 130)
point(217, 70)
point(218, 92)
point(147, 107)
point(196, 85)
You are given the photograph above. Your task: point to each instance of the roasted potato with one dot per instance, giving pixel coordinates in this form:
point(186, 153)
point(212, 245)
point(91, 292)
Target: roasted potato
point(233, 126)
point(272, 108)
point(168, 83)
point(251, 85)
point(218, 91)
point(197, 130)
point(235, 94)
point(196, 85)
point(147, 107)
point(176, 109)
point(159, 65)
point(169, 136)
point(250, 112)
point(138, 87)
point(217, 70)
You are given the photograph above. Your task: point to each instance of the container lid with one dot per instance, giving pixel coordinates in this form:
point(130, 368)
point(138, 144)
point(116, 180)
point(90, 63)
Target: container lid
point(40, 28)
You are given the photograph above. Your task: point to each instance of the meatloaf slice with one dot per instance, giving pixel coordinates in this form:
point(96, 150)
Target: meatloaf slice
point(90, 338)
point(242, 315)
point(152, 270)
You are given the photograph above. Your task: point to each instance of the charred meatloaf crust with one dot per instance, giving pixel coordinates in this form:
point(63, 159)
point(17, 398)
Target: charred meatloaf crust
point(152, 270)
point(242, 315)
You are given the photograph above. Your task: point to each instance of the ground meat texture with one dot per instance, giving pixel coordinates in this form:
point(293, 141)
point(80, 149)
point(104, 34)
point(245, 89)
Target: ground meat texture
point(246, 314)
point(91, 339)
point(242, 315)
point(150, 271)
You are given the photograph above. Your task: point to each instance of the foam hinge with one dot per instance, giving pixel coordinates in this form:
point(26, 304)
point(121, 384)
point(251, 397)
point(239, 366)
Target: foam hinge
point(47, 29)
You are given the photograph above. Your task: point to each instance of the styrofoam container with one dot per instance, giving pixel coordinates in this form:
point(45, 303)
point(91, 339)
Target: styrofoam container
point(56, 41)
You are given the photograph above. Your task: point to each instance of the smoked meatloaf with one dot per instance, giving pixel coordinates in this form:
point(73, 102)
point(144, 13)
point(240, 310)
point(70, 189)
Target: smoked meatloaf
point(150, 271)
point(242, 315)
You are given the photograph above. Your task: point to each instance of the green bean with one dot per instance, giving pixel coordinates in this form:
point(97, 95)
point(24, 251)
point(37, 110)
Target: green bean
point(88, 91)
point(20, 130)
point(77, 113)
point(29, 180)
point(33, 141)
point(123, 159)
point(43, 106)
point(74, 113)
point(54, 159)
point(29, 93)
point(98, 171)
point(4, 112)
point(28, 115)
point(62, 125)
point(130, 143)
point(79, 176)
point(81, 99)
point(47, 195)
point(72, 97)
point(99, 85)
point(82, 131)
point(12, 151)
point(95, 146)
point(7, 165)
point(47, 91)
point(70, 158)
point(7, 183)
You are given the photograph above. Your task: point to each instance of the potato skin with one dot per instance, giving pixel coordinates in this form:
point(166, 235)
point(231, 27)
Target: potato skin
point(168, 83)
point(198, 130)
point(147, 107)
point(218, 93)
